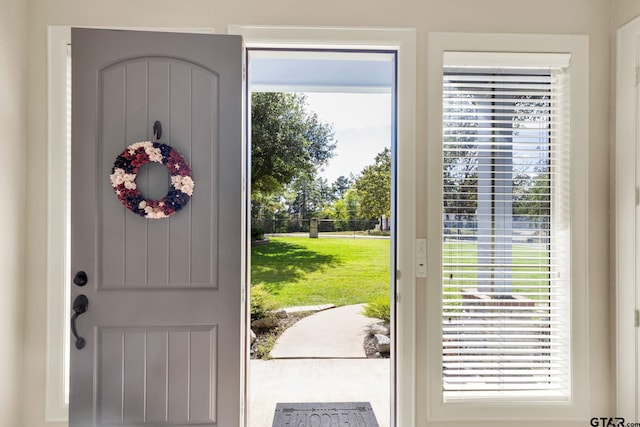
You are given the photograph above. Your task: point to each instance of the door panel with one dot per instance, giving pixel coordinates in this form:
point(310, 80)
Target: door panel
point(176, 253)
point(163, 327)
point(139, 364)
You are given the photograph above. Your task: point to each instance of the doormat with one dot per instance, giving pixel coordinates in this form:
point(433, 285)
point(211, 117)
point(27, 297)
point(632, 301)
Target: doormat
point(327, 414)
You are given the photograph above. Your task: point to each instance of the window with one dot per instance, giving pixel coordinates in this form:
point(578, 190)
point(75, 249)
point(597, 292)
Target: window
point(506, 309)
point(505, 241)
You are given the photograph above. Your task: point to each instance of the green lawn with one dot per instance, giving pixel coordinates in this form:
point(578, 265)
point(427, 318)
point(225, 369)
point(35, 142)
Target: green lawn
point(302, 271)
point(529, 268)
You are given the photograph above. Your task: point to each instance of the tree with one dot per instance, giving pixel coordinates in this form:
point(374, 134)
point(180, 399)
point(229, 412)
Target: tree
point(352, 204)
point(533, 198)
point(460, 157)
point(287, 141)
point(374, 187)
point(267, 206)
point(345, 210)
point(341, 185)
point(308, 196)
point(532, 182)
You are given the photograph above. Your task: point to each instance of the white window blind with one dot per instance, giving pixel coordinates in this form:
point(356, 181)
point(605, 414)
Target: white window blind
point(506, 241)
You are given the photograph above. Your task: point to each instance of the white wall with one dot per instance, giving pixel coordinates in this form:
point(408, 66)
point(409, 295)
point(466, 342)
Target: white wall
point(13, 32)
point(590, 17)
point(623, 11)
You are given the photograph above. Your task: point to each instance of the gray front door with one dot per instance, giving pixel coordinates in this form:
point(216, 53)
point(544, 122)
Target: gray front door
point(163, 322)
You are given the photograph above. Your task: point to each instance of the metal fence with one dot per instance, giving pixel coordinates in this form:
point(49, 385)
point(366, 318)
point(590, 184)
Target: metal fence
point(278, 225)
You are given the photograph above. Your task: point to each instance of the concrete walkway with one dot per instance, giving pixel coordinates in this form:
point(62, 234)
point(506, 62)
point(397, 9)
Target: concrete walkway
point(320, 380)
point(320, 358)
point(336, 333)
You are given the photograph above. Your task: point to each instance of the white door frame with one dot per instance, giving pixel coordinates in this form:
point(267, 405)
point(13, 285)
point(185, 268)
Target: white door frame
point(403, 41)
point(627, 239)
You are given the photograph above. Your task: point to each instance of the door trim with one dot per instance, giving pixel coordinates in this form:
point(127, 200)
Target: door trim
point(59, 38)
point(403, 41)
point(626, 254)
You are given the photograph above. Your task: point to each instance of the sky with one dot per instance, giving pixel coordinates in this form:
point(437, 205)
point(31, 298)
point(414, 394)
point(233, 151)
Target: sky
point(362, 125)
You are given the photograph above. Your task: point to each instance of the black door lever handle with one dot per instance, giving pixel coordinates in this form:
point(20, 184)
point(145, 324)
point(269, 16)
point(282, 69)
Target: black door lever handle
point(80, 305)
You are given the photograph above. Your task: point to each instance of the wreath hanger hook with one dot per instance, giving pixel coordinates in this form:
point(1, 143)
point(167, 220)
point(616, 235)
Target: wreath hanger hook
point(157, 130)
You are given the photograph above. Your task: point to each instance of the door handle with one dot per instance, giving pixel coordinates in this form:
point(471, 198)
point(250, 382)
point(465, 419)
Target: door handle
point(80, 305)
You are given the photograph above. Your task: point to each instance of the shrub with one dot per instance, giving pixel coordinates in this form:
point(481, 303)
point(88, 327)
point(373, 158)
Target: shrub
point(263, 349)
point(257, 234)
point(379, 308)
point(262, 302)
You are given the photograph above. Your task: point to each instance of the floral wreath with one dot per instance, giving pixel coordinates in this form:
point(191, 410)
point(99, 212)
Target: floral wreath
point(125, 170)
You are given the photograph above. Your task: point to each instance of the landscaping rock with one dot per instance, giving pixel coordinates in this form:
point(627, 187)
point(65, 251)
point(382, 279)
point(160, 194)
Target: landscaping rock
point(265, 323)
point(282, 314)
point(379, 328)
point(253, 336)
point(383, 343)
